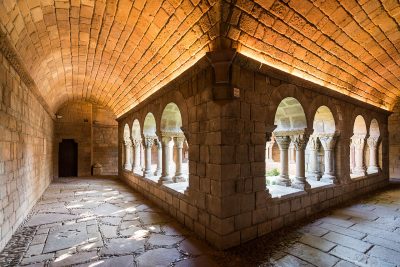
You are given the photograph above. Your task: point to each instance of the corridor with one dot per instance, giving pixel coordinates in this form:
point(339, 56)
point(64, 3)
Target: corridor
point(102, 222)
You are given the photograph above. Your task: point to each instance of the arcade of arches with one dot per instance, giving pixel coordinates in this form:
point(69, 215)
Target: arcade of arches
point(236, 123)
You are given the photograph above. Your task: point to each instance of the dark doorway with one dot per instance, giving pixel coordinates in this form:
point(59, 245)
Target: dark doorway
point(68, 158)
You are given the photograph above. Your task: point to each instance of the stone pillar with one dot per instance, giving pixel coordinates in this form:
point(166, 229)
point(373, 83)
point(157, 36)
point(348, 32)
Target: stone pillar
point(128, 155)
point(300, 142)
point(148, 144)
point(269, 150)
point(292, 153)
point(372, 142)
point(166, 158)
point(159, 158)
point(283, 143)
point(358, 142)
point(351, 157)
point(136, 162)
point(328, 142)
point(313, 146)
point(178, 171)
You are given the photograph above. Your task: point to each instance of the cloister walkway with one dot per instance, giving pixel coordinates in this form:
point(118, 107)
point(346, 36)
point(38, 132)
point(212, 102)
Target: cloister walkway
point(102, 222)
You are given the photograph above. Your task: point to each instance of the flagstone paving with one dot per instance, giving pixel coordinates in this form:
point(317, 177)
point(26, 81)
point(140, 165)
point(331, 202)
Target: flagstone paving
point(102, 222)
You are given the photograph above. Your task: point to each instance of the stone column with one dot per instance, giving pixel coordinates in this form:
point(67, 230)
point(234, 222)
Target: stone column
point(328, 142)
point(313, 146)
point(283, 143)
point(358, 142)
point(166, 158)
point(178, 172)
point(128, 155)
point(300, 143)
point(148, 144)
point(269, 150)
point(372, 142)
point(159, 158)
point(136, 162)
point(291, 153)
point(351, 157)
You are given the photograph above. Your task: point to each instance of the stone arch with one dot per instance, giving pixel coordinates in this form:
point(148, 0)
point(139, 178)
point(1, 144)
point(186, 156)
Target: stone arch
point(323, 121)
point(171, 119)
point(127, 133)
point(149, 125)
point(280, 93)
point(374, 130)
point(136, 132)
point(359, 126)
point(290, 115)
point(335, 110)
point(176, 98)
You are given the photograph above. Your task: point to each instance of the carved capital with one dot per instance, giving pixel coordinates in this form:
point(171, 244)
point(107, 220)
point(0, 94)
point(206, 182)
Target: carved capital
point(148, 141)
point(179, 141)
point(373, 141)
point(136, 142)
point(283, 142)
point(313, 142)
point(358, 141)
point(328, 141)
point(128, 143)
point(300, 141)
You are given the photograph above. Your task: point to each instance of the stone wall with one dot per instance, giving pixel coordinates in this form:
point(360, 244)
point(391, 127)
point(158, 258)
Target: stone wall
point(95, 130)
point(26, 150)
point(227, 202)
point(394, 141)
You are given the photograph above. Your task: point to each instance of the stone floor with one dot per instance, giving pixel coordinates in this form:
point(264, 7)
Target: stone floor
point(102, 222)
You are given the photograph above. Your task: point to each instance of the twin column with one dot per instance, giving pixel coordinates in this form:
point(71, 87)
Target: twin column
point(166, 143)
point(299, 139)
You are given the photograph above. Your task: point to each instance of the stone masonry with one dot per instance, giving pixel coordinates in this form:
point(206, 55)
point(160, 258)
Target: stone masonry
point(26, 150)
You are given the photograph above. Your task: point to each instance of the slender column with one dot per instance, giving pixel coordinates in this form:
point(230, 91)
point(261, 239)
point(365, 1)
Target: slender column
point(300, 143)
point(148, 144)
point(136, 163)
point(269, 146)
point(166, 158)
point(328, 143)
point(373, 161)
point(283, 143)
point(128, 155)
point(351, 157)
point(314, 147)
point(359, 143)
point(291, 153)
point(159, 158)
point(178, 172)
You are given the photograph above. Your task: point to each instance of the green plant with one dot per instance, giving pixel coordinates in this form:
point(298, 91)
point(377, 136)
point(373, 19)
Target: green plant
point(273, 172)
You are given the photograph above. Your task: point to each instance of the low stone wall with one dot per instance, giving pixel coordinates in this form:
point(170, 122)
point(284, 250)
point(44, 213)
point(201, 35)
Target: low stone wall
point(26, 150)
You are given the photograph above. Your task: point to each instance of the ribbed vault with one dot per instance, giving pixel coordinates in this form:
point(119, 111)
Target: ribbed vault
point(118, 52)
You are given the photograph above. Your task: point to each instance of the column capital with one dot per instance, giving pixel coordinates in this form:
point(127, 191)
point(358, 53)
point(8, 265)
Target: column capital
point(127, 142)
point(358, 141)
point(283, 141)
point(373, 141)
point(300, 140)
point(328, 141)
point(179, 140)
point(313, 142)
point(136, 142)
point(148, 141)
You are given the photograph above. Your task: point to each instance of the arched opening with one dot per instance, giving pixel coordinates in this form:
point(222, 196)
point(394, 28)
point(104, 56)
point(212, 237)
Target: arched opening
point(291, 136)
point(320, 152)
point(374, 148)
point(357, 165)
point(151, 144)
point(128, 148)
point(174, 167)
point(137, 147)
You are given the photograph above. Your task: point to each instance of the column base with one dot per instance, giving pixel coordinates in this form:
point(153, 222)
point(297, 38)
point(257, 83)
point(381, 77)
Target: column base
point(157, 173)
point(328, 178)
point(359, 172)
point(165, 180)
point(148, 173)
point(373, 169)
point(178, 179)
point(128, 167)
point(314, 175)
point(283, 181)
point(301, 183)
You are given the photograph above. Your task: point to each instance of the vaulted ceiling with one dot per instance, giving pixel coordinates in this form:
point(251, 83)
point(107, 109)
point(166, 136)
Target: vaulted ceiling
point(118, 52)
